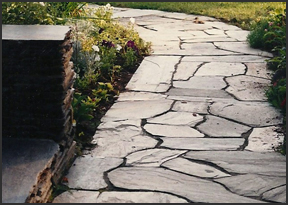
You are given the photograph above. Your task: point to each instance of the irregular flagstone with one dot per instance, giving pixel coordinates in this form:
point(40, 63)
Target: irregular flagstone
point(138, 197)
point(221, 69)
point(233, 58)
point(177, 118)
point(219, 127)
point(240, 35)
point(154, 19)
point(212, 93)
point(255, 114)
point(152, 72)
point(192, 188)
point(259, 70)
point(251, 184)
point(204, 49)
point(247, 87)
point(133, 96)
point(74, 196)
point(87, 172)
point(185, 70)
point(223, 26)
point(278, 194)
point(241, 47)
point(120, 142)
point(244, 162)
point(108, 124)
point(208, 100)
point(199, 107)
point(144, 109)
point(172, 131)
point(206, 82)
point(264, 139)
point(194, 168)
point(209, 39)
point(171, 50)
point(214, 31)
point(151, 157)
point(202, 143)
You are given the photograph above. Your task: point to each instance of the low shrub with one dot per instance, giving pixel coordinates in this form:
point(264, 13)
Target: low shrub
point(270, 34)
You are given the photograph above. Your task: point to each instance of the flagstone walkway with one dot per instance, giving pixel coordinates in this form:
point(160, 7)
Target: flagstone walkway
point(193, 126)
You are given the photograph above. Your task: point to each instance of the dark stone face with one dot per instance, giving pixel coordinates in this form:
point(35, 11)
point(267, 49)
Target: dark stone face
point(35, 71)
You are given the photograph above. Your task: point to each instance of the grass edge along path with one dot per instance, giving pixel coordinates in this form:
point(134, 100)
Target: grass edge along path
point(241, 14)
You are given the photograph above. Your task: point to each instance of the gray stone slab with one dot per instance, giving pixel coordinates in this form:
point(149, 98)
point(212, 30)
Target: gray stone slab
point(144, 109)
point(106, 123)
point(241, 47)
point(259, 70)
point(220, 69)
point(139, 96)
point(240, 35)
point(138, 197)
point(34, 32)
point(87, 172)
point(172, 131)
point(201, 144)
point(224, 26)
point(214, 31)
point(278, 194)
point(163, 180)
point(151, 157)
point(177, 118)
point(209, 39)
point(248, 88)
point(75, 196)
point(23, 160)
point(251, 184)
point(219, 127)
point(229, 58)
point(200, 107)
point(203, 49)
point(244, 162)
point(255, 114)
point(193, 168)
point(154, 19)
point(212, 93)
point(205, 82)
point(185, 70)
point(153, 72)
point(265, 139)
point(120, 142)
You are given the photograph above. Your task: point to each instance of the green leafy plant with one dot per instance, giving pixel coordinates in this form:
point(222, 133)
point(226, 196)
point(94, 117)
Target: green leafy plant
point(45, 13)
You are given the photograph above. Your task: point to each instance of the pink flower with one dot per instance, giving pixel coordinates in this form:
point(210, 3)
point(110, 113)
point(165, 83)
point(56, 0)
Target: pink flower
point(270, 23)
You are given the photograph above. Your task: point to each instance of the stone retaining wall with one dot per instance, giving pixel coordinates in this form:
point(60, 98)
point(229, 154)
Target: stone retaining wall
point(37, 94)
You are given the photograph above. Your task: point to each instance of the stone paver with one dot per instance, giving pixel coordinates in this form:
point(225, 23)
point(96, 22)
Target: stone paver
point(221, 69)
point(152, 157)
point(264, 139)
point(251, 184)
point(192, 126)
point(248, 88)
point(255, 114)
point(196, 190)
point(172, 131)
point(219, 127)
point(177, 118)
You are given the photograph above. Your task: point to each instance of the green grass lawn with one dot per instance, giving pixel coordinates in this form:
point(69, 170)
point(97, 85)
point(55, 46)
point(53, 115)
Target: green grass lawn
point(241, 14)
